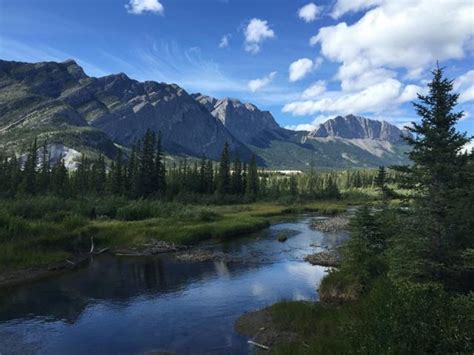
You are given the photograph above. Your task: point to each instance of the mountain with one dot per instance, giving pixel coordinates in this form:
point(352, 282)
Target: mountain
point(244, 120)
point(341, 143)
point(60, 102)
point(75, 113)
point(356, 127)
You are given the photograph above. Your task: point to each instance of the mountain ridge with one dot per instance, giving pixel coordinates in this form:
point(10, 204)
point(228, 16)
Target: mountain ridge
point(61, 104)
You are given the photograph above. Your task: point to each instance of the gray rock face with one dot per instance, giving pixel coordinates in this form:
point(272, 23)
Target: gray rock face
point(122, 108)
point(356, 127)
point(245, 121)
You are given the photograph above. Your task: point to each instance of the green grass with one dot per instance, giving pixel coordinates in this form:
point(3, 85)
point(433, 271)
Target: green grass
point(40, 230)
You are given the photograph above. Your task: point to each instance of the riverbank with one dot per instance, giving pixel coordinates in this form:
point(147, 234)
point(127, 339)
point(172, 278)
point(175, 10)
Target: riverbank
point(41, 237)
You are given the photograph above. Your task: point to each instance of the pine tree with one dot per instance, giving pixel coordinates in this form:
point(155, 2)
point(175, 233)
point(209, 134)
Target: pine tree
point(29, 184)
point(223, 180)
point(380, 182)
point(160, 169)
point(436, 177)
point(252, 184)
point(236, 183)
point(45, 172)
point(293, 186)
point(117, 175)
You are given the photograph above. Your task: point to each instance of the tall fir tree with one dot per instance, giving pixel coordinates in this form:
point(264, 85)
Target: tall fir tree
point(437, 240)
point(223, 181)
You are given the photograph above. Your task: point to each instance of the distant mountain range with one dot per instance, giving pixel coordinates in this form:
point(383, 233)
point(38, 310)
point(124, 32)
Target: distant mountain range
point(76, 113)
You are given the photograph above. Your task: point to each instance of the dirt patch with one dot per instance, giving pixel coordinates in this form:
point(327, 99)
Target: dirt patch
point(330, 258)
point(330, 224)
point(260, 328)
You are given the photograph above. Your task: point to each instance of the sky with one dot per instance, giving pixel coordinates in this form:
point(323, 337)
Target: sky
point(304, 61)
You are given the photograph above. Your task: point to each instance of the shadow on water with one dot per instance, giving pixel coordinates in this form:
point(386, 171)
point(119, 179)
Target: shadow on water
point(138, 305)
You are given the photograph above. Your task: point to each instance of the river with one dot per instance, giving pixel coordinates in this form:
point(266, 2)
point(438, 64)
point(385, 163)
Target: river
point(136, 305)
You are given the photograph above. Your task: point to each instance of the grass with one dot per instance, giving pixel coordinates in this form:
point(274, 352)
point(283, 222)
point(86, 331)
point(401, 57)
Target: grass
point(37, 231)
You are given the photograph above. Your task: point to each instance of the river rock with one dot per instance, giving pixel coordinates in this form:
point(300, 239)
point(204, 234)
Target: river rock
point(331, 258)
point(201, 255)
point(331, 224)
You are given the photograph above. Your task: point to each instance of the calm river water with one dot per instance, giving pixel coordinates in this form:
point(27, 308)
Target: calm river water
point(125, 305)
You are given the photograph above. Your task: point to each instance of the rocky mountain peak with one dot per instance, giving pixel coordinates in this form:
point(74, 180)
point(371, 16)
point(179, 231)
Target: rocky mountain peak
point(244, 120)
point(358, 127)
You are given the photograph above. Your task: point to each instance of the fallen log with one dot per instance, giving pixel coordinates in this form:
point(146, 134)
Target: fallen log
point(261, 346)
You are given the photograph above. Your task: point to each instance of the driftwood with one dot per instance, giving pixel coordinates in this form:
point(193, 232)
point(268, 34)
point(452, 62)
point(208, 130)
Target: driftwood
point(101, 251)
point(261, 346)
point(70, 262)
point(92, 246)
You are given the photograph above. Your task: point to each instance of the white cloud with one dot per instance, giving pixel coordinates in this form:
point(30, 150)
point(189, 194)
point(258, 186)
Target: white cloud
point(372, 99)
point(468, 147)
point(467, 95)
point(224, 43)
point(392, 34)
point(257, 84)
point(314, 90)
point(310, 126)
point(300, 68)
point(138, 7)
point(463, 80)
point(465, 86)
point(410, 92)
point(255, 33)
point(309, 12)
point(344, 6)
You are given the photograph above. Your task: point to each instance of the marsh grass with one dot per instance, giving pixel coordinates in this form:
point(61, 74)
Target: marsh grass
point(41, 230)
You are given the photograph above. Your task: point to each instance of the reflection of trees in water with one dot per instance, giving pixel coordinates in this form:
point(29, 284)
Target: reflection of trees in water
point(106, 278)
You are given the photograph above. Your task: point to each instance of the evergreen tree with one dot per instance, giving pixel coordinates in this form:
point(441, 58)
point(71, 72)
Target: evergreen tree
point(29, 184)
point(160, 169)
point(117, 180)
point(252, 184)
point(45, 172)
point(236, 183)
point(223, 181)
point(380, 182)
point(437, 178)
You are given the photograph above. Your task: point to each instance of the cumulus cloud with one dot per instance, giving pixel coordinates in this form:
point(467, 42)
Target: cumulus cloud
point(372, 99)
point(344, 6)
point(224, 43)
point(464, 85)
point(255, 33)
point(410, 92)
point(386, 42)
point(467, 95)
point(310, 126)
point(392, 35)
point(138, 7)
point(314, 90)
point(309, 12)
point(257, 84)
point(300, 68)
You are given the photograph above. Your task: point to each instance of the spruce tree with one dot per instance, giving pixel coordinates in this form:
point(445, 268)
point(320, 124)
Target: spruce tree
point(236, 183)
point(436, 176)
point(252, 184)
point(223, 181)
point(29, 184)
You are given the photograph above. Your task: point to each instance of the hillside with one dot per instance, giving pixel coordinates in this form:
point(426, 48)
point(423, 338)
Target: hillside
point(60, 104)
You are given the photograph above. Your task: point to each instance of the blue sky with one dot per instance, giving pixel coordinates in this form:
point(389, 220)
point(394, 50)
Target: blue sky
point(304, 61)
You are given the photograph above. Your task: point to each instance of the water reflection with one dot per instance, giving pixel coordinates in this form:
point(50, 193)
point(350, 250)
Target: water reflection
point(137, 305)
